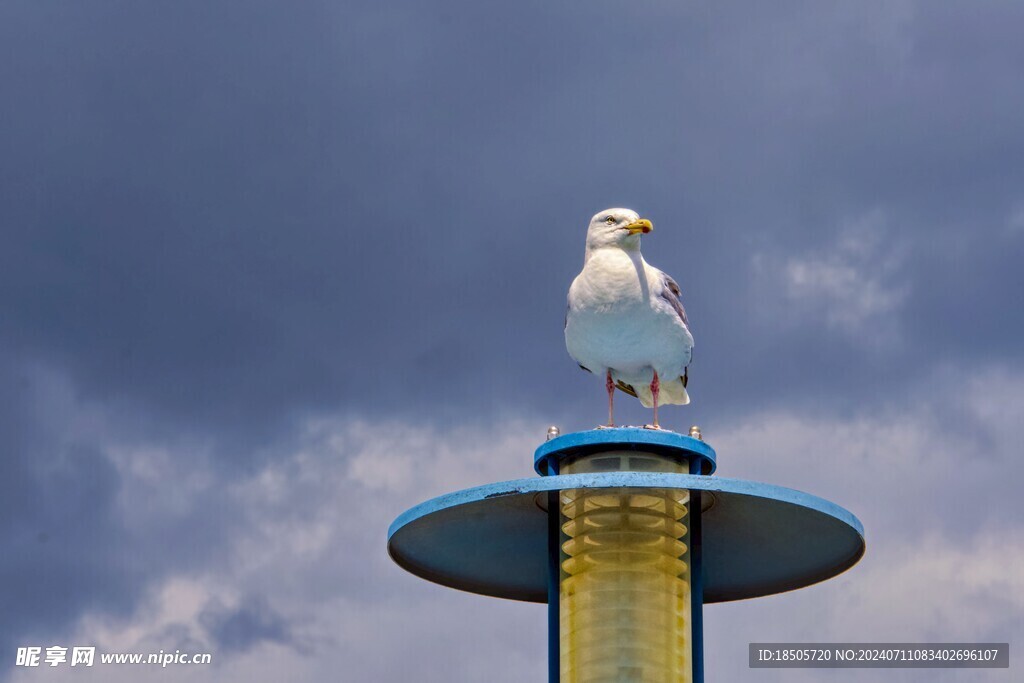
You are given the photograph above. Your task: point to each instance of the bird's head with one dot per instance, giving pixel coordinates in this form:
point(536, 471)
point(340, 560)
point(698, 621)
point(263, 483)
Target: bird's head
point(617, 228)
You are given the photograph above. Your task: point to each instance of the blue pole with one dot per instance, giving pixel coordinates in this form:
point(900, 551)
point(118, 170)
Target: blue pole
point(554, 574)
point(696, 580)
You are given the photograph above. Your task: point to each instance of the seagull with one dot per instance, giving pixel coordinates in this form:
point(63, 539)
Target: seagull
point(625, 320)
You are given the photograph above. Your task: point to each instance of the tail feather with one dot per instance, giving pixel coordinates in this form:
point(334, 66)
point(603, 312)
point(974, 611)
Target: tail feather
point(670, 394)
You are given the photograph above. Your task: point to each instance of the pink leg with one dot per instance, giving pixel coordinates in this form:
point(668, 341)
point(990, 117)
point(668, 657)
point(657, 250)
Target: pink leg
point(655, 387)
point(610, 386)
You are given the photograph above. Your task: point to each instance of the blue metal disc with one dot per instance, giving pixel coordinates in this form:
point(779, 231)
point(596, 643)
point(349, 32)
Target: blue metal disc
point(758, 539)
point(661, 441)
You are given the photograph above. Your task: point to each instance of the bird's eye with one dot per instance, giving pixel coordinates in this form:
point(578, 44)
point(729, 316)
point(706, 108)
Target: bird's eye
point(610, 220)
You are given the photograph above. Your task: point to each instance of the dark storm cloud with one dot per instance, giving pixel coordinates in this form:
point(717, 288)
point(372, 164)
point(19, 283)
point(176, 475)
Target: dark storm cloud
point(228, 216)
point(73, 538)
point(218, 218)
point(58, 529)
point(239, 629)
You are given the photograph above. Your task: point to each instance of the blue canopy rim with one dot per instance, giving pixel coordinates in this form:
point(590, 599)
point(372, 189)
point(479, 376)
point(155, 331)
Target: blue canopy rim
point(758, 539)
point(658, 441)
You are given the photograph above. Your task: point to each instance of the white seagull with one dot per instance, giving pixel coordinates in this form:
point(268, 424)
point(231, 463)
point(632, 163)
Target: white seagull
point(625, 320)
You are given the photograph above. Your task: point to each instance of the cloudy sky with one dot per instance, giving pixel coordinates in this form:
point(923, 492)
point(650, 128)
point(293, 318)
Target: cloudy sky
point(272, 272)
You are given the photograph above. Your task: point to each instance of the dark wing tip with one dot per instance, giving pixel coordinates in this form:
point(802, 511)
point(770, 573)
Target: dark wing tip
point(626, 388)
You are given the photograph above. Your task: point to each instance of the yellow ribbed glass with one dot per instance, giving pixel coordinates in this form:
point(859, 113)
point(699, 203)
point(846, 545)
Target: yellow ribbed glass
point(624, 594)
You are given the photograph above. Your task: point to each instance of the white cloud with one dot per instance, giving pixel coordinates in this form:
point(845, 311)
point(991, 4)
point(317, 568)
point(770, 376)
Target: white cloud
point(853, 285)
point(938, 588)
point(938, 500)
point(312, 545)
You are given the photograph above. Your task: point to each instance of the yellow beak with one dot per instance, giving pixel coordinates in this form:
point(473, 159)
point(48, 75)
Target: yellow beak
point(643, 225)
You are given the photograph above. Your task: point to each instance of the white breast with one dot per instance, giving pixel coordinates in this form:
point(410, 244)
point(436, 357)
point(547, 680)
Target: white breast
point(617, 320)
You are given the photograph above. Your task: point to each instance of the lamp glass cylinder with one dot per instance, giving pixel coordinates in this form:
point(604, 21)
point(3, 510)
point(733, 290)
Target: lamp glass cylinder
point(624, 588)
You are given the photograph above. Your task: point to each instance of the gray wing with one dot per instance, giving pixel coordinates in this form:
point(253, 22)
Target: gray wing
point(568, 307)
point(670, 292)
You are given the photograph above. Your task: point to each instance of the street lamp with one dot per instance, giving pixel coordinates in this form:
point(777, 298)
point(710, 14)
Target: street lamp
point(626, 535)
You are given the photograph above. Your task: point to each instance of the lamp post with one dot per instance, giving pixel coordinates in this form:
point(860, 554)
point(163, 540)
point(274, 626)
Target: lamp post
point(626, 535)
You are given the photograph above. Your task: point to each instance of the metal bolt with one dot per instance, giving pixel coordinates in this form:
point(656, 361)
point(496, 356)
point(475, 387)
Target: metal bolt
point(695, 432)
point(553, 432)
